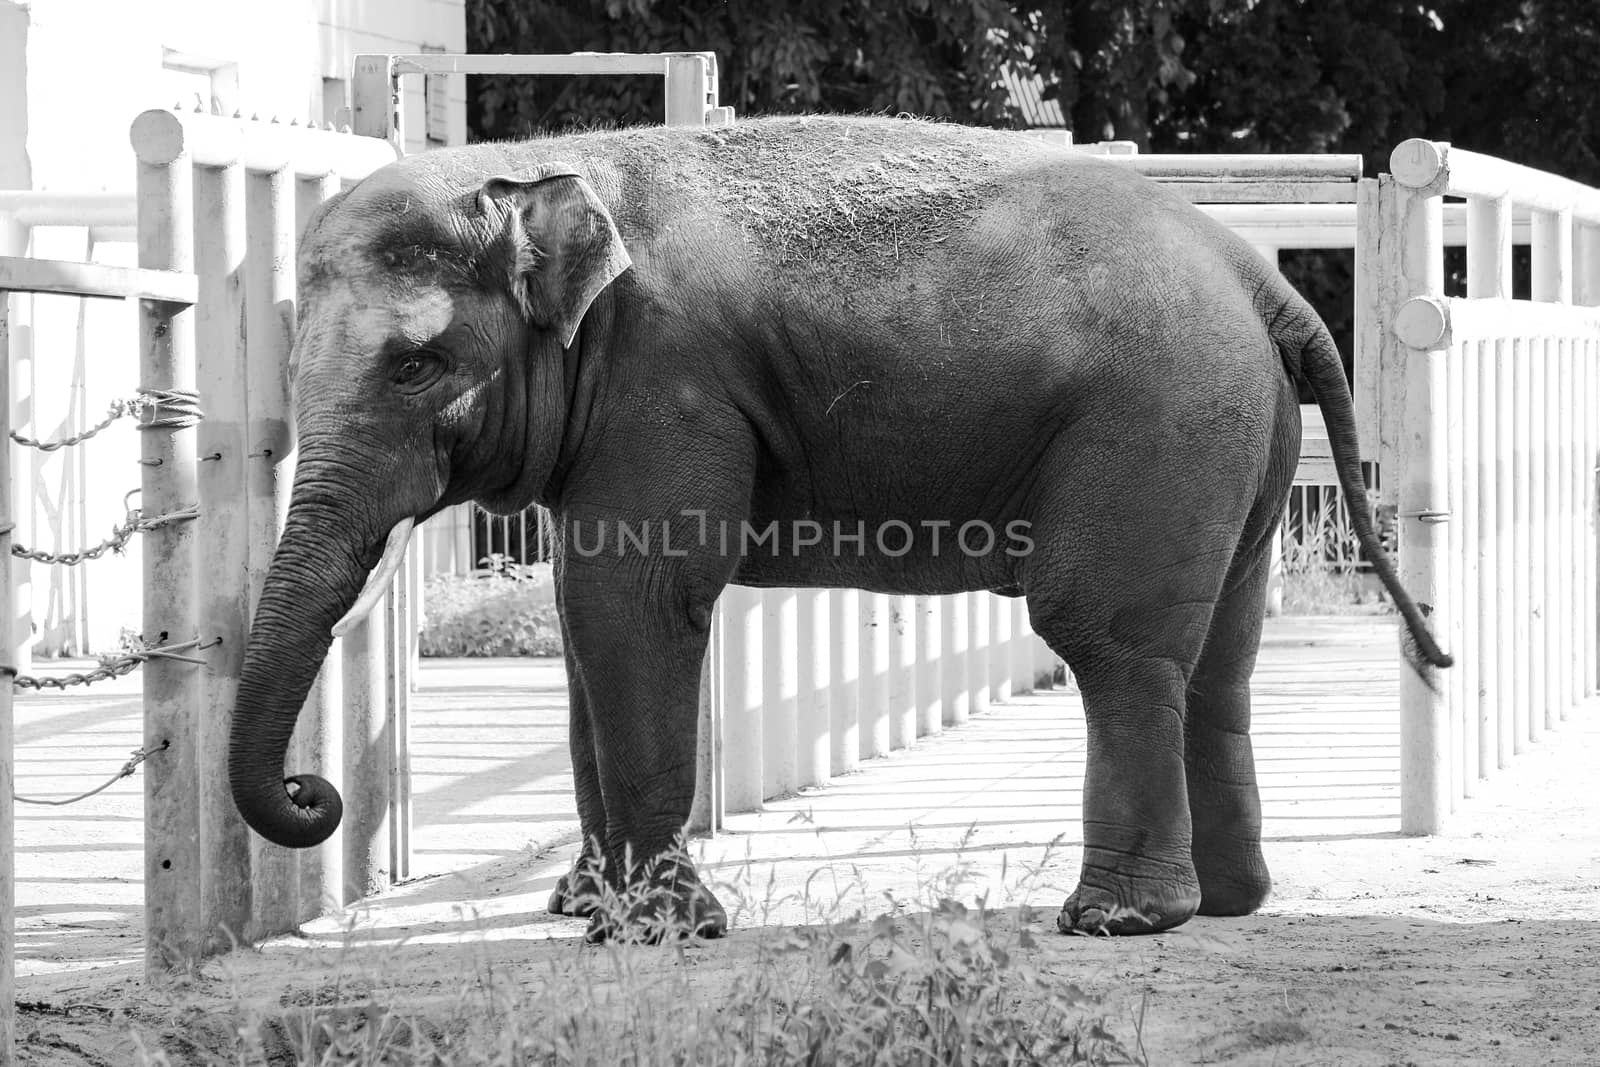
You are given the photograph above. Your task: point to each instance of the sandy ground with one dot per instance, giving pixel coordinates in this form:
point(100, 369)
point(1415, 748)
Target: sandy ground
point(1481, 945)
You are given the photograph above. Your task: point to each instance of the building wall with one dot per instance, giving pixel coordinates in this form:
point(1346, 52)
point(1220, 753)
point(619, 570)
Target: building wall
point(74, 75)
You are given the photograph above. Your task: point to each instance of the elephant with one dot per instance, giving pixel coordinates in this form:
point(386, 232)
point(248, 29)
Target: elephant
point(850, 323)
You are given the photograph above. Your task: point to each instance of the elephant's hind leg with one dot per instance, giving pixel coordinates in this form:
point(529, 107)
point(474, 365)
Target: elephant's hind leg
point(1125, 596)
point(1224, 803)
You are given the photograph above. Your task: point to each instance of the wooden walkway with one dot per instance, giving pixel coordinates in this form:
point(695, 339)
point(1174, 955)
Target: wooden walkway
point(493, 788)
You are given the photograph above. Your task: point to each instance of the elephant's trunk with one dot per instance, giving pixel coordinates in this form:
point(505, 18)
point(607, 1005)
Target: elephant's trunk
point(314, 578)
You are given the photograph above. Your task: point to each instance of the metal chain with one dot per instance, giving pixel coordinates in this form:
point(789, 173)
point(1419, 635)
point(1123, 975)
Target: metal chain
point(120, 536)
point(119, 409)
point(110, 667)
point(139, 756)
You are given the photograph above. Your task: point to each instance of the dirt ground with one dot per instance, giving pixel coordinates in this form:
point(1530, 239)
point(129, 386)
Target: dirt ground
point(1480, 945)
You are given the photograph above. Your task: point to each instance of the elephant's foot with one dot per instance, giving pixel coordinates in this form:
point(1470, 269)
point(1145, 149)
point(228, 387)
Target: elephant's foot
point(665, 902)
point(1108, 903)
point(577, 893)
point(1233, 877)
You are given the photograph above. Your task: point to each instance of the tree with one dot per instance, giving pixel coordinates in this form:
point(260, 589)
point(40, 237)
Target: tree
point(927, 57)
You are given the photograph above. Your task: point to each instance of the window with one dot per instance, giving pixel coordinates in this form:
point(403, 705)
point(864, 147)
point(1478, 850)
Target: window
point(200, 81)
point(335, 102)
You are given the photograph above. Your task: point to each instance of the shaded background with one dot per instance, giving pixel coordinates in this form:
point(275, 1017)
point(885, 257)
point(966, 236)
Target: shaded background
point(1513, 78)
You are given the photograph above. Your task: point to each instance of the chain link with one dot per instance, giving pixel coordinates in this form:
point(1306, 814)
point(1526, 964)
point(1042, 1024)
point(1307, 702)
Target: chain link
point(110, 667)
point(119, 409)
point(120, 536)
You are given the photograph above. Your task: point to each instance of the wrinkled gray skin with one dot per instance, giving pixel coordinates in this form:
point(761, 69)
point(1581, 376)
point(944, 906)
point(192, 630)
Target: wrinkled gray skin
point(845, 320)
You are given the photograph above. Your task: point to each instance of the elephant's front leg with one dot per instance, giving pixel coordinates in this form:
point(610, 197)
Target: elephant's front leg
point(637, 626)
point(577, 892)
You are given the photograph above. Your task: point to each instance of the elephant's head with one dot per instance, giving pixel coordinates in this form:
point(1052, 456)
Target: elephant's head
point(428, 365)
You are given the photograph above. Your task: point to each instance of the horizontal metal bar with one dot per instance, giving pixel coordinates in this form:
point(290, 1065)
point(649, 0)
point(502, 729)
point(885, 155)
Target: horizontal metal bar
point(30, 207)
point(1431, 323)
point(574, 63)
point(26, 275)
point(1444, 170)
point(1244, 167)
point(160, 137)
point(1478, 320)
point(1328, 225)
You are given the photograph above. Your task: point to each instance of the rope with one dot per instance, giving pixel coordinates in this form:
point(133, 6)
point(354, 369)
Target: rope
point(139, 756)
point(111, 667)
point(182, 404)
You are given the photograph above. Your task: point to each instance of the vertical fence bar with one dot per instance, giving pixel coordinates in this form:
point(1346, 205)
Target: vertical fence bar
point(365, 827)
point(1489, 277)
point(978, 651)
point(1423, 504)
point(706, 811)
point(780, 690)
point(742, 691)
point(844, 695)
point(1021, 646)
point(902, 672)
point(1551, 239)
point(999, 649)
point(1522, 542)
point(8, 779)
point(269, 326)
point(1538, 537)
point(931, 695)
point(397, 714)
point(1550, 617)
point(221, 543)
point(318, 743)
point(1487, 614)
point(172, 869)
point(1504, 568)
point(814, 735)
point(1586, 292)
point(1463, 555)
point(1567, 512)
point(686, 90)
point(954, 681)
point(875, 626)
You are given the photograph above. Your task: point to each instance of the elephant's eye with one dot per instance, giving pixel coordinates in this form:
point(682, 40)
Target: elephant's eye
point(415, 371)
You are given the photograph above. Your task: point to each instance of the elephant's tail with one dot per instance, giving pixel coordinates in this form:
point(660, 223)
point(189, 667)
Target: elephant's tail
point(1306, 346)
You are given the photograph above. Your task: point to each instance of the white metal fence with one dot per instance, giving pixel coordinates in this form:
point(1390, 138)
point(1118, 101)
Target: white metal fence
point(1490, 407)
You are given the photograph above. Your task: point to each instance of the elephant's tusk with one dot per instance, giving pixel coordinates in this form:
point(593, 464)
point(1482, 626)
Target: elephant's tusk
point(394, 553)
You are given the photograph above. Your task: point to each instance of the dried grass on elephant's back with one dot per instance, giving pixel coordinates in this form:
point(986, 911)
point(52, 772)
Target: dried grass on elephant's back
point(853, 195)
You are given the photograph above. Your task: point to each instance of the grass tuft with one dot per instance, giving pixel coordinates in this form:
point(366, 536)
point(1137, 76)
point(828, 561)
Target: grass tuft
point(940, 979)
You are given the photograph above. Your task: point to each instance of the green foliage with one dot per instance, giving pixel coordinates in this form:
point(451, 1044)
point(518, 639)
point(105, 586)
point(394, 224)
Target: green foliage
point(921, 56)
point(505, 610)
point(1321, 572)
point(942, 979)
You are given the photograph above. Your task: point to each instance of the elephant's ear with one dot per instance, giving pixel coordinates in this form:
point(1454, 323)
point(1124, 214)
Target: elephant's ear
point(566, 248)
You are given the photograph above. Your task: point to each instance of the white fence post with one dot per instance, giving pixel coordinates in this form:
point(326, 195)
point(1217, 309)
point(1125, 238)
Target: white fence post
point(874, 690)
point(173, 859)
point(979, 651)
point(902, 672)
point(222, 540)
point(1424, 503)
point(815, 735)
point(954, 677)
point(844, 695)
point(8, 779)
point(742, 691)
point(780, 691)
point(932, 695)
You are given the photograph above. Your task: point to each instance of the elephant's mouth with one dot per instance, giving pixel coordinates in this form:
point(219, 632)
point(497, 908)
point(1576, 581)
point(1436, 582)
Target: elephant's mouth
point(394, 554)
